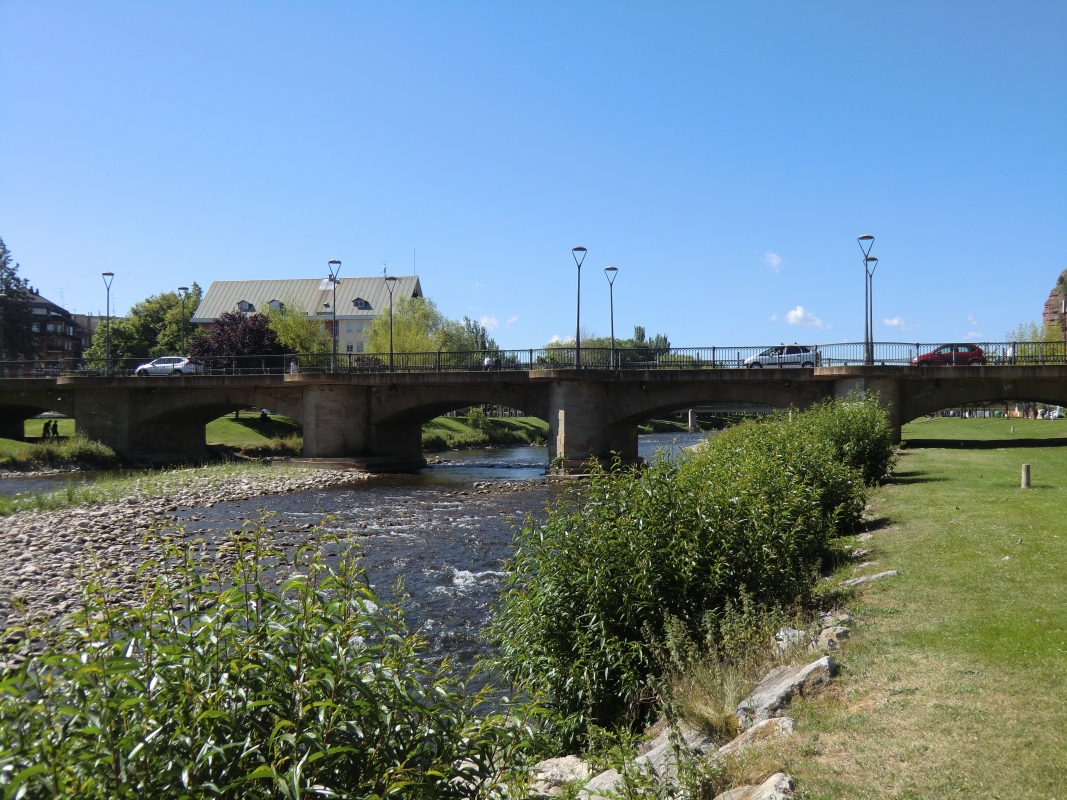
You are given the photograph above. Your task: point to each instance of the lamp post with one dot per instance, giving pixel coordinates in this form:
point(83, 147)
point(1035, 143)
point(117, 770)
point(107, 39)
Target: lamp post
point(108, 278)
point(3, 363)
point(610, 273)
point(335, 269)
point(579, 256)
point(390, 280)
point(182, 291)
point(866, 242)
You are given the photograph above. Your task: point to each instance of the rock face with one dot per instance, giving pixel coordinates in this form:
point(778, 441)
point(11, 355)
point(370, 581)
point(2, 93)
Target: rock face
point(768, 729)
point(777, 787)
point(660, 760)
point(1051, 315)
point(550, 775)
point(781, 685)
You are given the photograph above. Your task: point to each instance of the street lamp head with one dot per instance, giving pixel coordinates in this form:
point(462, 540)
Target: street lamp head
point(335, 267)
point(108, 278)
point(579, 255)
point(610, 273)
point(390, 278)
point(865, 238)
point(183, 288)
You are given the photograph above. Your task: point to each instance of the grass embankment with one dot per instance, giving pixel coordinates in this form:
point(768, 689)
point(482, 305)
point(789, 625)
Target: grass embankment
point(458, 433)
point(954, 683)
point(999, 428)
point(251, 435)
point(147, 483)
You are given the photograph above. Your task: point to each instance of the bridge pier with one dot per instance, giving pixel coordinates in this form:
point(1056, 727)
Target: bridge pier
point(578, 428)
point(114, 417)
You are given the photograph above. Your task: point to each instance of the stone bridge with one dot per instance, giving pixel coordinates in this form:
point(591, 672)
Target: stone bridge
point(376, 418)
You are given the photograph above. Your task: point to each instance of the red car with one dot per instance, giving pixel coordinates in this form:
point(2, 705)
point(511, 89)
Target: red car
point(949, 355)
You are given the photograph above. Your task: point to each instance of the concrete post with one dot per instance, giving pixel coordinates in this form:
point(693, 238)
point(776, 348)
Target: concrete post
point(1026, 476)
point(692, 420)
point(578, 427)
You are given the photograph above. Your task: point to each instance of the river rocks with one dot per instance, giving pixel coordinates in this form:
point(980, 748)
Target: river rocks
point(781, 685)
point(602, 787)
point(853, 582)
point(550, 775)
point(777, 787)
point(660, 760)
point(44, 553)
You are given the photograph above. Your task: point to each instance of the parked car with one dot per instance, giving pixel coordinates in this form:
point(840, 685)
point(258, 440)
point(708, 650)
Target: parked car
point(171, 365)
point(786, 355)
point(948, 355)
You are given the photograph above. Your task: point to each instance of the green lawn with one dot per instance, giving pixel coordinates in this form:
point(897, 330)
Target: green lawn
point(444, 433)
point(34, 426)
point(955, 684)
point(249, 430)
point(993, 428)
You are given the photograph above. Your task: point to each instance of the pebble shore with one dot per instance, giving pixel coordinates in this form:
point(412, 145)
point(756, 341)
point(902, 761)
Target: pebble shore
point(42, 553)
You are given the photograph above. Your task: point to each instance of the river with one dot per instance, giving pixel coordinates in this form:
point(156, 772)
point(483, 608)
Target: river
point(444, 532)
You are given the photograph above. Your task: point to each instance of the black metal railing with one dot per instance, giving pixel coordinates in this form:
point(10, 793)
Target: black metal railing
point(592, 358)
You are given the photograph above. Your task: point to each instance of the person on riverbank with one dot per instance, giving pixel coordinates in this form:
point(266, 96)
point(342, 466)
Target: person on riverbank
point(46, 431)
point(54, 434)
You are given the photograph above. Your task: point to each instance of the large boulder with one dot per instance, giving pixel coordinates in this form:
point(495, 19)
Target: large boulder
point(781, 685)
point(773, 728)
point(777, 787)
point(660, 760)
point(550, 775)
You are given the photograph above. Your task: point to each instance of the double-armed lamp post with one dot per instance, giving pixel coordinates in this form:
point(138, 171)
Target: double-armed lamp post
point(335, 269)
point(610, 273)
point(870, 264)
point(390, 282)
point(579, 256)
point(108, 278)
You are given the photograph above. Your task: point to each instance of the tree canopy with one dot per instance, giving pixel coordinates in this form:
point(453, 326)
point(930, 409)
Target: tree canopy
point(151, 328)
point(237, 334)
point(296, 332)
point(17, 317)
point(419, 327)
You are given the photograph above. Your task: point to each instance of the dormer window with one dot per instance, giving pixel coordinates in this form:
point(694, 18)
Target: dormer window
point(246, 307)
point(276, 305)
point(360, 303)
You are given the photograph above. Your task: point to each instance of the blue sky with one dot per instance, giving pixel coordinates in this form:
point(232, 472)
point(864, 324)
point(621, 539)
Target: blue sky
point(723, 156)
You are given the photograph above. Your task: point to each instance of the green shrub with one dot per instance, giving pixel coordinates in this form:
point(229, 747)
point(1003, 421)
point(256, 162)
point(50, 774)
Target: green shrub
point(859, 431)
point(228, 685)
point(476, 418)
point(589, 592)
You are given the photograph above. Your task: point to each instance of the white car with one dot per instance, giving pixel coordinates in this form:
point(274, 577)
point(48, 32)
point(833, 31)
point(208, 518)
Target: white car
point(785, 355)
point(171, 365)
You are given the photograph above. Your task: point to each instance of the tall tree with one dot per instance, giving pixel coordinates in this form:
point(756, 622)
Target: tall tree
point(296, 331)
point(151, 328)
point(419, 327)
point(237, 334)
point(15, 307)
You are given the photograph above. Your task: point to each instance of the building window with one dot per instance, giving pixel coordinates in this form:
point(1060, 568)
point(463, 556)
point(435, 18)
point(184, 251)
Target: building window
point(349, 326)
point(246, 307)
point(359, 346)
point(348, 347)
point(359, 302)
point(359, 327)
point(43, 312)
point(35, 327)
point(276, 305)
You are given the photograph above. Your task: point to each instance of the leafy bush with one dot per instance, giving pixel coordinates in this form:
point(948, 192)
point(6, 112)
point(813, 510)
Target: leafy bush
point(859, 431)
point(589, 592)
point(221, 685)
point(476, 418)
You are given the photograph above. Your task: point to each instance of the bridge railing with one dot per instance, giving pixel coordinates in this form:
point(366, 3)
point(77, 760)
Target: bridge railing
point(563, 357)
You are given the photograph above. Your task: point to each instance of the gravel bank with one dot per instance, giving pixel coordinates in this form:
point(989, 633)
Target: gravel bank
point(43, 552)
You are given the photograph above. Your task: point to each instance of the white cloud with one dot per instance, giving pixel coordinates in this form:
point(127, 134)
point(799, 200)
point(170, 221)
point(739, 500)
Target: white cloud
point(511, 321)
point(972, 321)
point(557, 339)
point(975, 335)
point(798, 316)
point(489, 323)
point(478, 286)
point(773, 262)
point(898, 323)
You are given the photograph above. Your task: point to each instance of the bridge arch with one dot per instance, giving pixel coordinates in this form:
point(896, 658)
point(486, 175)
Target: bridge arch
point(631, 407)
point(919, 400)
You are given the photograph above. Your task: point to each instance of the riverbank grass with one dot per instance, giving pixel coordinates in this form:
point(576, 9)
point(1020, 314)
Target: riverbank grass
point(953, 683)
point(253, 435)
point(457, 433)
point(106, 488)
point(999, 428)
